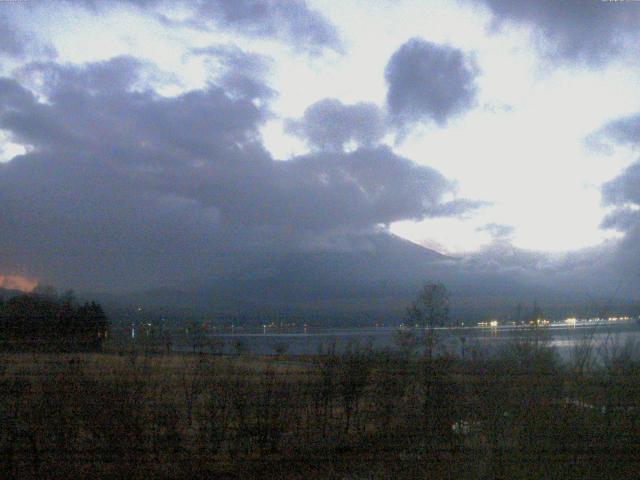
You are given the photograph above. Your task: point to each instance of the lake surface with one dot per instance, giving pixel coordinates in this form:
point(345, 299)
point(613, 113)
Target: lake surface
point(604, 337)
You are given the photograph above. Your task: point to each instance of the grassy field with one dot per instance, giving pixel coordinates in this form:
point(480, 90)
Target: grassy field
point(358, 415)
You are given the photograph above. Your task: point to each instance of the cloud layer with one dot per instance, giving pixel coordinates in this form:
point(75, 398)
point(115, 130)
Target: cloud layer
point(16, 43)
point(622, 194)
point(291, 21)
point(122, 186)
point(591, 31)
point(331, 125)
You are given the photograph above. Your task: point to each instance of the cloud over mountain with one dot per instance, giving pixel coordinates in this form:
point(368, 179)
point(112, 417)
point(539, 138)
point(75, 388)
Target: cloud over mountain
point(122, 186)
point(154, 148)
point(497, 230)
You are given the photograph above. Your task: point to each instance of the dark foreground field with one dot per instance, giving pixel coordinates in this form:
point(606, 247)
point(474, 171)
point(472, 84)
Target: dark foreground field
point(517, 414)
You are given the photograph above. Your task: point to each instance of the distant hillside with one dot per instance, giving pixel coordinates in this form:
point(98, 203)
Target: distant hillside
point(384, 269)
point(375, 282)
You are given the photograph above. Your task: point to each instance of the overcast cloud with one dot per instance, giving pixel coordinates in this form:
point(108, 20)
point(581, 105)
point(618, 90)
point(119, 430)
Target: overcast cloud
point(330, 125)
point(16, 43)
point(287, 20)
point(582, 31)
point(144, 142)
point(168, 182)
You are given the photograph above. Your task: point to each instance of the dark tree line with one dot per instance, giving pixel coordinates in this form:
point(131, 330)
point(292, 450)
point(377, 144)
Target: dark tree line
point(49, 322)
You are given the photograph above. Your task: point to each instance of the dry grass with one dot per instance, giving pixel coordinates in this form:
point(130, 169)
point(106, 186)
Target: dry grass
point(363, 415)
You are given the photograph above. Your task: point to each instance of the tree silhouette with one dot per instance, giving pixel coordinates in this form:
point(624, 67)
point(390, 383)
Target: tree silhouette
point(44, 321)
point(430, 310)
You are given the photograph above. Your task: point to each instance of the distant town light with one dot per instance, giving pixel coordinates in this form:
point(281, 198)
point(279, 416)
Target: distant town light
point(570, 321)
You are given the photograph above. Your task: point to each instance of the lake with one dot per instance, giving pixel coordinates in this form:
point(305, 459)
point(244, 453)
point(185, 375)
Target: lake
point(604, 336)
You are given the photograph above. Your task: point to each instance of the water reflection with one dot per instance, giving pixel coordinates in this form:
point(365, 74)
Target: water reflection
point(565, 339)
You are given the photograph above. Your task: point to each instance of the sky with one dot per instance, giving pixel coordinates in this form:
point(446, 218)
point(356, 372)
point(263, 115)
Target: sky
point(142, 140)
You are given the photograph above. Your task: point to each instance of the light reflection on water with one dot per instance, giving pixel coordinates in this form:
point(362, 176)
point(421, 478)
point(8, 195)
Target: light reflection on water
point(564, 339)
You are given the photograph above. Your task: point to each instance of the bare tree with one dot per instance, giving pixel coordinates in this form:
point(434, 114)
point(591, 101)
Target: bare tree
point(428, 311)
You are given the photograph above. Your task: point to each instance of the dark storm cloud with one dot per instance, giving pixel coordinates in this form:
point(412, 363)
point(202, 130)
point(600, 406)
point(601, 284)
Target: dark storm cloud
point(427, 81)
point(591, 31)
point(124, 187)
point(287, 20)
point(366, 187)
point(91, 110)
point(329, 124)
